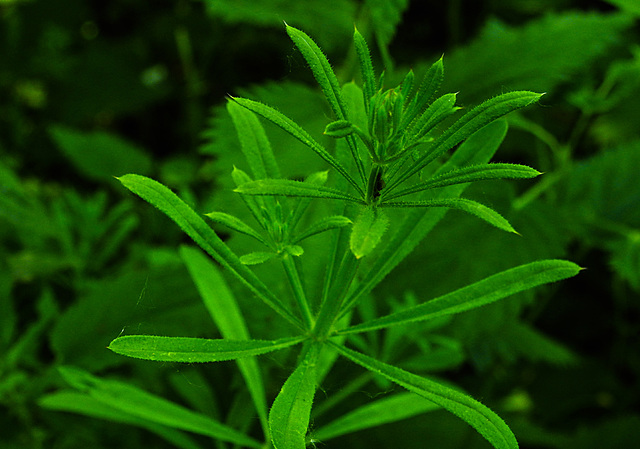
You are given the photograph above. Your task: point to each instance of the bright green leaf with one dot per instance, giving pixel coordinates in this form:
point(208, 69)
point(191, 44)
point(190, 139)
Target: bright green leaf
point(367, 231)
point(479, 210)
point(139, 403)
point(226, 314)
point(486, 291)
point(437, 111)
point(194, 350)
point(324, 224)
point(292, 188)
point(294, 250)
point(426, 91)
point(289, 416)
point(467, 125)
point(236, 224)
point(254, 142)
point(481, 172)
point(296, 131)
point(339, 128)
point(82, 403)
point(369, 84)
point(321, 69)
point(257, 257)
point(477, 415)
point(386, 410)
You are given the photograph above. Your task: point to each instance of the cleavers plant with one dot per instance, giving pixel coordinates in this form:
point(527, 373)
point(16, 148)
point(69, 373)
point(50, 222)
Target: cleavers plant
point(395, 183)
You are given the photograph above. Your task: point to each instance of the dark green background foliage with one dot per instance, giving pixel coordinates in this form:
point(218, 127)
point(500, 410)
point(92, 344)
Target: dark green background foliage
point(91, 90)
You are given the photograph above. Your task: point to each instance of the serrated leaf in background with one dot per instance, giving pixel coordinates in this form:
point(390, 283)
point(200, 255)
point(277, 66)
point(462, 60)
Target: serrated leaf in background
point(330, 22)
point(386, 15)
point(98, 155)
point(538, 56)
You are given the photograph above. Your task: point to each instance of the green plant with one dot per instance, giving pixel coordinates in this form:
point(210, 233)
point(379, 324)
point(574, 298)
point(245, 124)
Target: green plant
point(388, 147)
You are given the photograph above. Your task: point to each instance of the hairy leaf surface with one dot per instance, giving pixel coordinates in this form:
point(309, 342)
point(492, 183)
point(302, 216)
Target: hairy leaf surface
point(194, 350)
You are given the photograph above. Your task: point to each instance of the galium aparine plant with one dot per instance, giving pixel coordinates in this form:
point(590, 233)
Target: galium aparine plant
point(386, 139)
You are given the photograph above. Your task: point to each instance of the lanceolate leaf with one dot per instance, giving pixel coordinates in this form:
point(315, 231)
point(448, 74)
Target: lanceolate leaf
point(289, 416)
point(486, 291)
point(256, 205)
point(293, 188)
point(194, 350)
point(317, 179)
point(440, 109)
point(321, 69)
point(196, 228)
point(428, 88)
point(468, 124)
point(224, 311)
point(325, 224)
point(369, 84)
point(479, 210)
point(256, 257)
point(472, 173)
point(254, 142)
point(141, 404)
point(367, 231)
point(386, 410)
point(236, 224)
point(76, 402)
point(296, 131)
point(477, 415)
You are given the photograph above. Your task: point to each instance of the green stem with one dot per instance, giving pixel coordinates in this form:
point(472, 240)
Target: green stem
point(331, 306)
point(298, 291)
point(373, 185)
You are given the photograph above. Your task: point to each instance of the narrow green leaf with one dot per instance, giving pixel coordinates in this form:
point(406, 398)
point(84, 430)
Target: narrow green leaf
point(296, 131)
point(324, 224)
point(477, 415)
point(486, 291)
point(256, 205)
point(254, 142)
point(316, 179)
point(339, 128)
point(427, 90)
point(226, 314)
point(290, 412)
point(196, 228)
point(81, 403)
point(468, 124)
point(236, 224)
point(481, 172)
point(479, 210)
point(194, 350)
point(139, 403)
point(293, 188)
point(321, 69)
point(437, 111)
point(257, 257)
point(367, 231)
point(294, 250)
point(386, 410)
point(407, 85)
point(369, 84)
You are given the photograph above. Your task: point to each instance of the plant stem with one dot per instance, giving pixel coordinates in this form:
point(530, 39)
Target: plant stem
point(298, 291)
point(331, 306)
point(373, 185)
